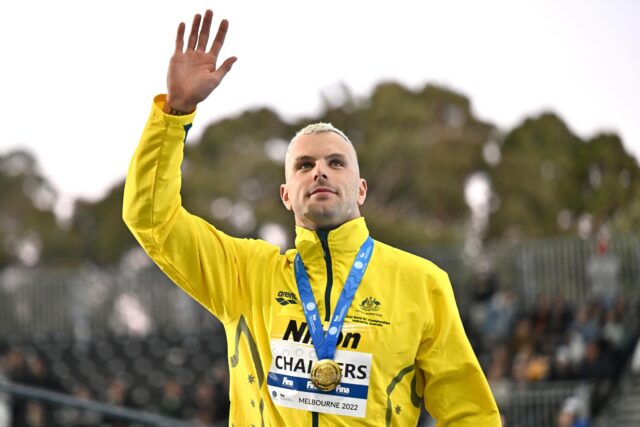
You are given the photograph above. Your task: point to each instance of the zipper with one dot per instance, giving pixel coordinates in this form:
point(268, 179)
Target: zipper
point(324, 240)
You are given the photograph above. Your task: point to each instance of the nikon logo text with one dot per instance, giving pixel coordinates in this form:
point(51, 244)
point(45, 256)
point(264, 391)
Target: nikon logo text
point(300, 333)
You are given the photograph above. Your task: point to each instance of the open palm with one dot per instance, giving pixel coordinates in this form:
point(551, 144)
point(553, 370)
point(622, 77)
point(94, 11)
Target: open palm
point(193, 73)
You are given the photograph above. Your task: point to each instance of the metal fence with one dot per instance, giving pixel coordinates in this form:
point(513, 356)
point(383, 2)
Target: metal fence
point(101, 414)
point(142, 300)
point(569, 267)
point(91, 301)
point(575, 269)
point(538, 404)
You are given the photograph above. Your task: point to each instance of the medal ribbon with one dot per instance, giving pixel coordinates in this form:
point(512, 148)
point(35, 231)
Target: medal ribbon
point(325, 345)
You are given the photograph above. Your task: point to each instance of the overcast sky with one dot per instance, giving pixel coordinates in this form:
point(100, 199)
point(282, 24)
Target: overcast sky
point(78, 77)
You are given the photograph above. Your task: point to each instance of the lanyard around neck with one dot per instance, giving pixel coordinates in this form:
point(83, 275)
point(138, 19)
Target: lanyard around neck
point(325, 345)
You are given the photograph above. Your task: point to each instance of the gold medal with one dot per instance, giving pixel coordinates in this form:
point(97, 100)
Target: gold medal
point(326, 374)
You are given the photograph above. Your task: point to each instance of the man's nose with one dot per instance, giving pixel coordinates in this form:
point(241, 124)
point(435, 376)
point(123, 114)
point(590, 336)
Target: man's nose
point(319, 173)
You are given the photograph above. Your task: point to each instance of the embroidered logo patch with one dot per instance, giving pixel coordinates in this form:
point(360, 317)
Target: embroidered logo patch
point(370, 304)
point(286, 298)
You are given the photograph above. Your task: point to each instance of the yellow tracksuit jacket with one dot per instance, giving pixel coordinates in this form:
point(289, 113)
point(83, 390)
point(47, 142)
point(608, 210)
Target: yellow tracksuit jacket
point(402, 340)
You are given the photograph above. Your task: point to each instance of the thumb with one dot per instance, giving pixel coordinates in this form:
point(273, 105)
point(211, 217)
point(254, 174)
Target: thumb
point(226, 65)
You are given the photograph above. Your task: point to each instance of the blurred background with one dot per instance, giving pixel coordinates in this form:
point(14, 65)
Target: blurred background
point(499, 141)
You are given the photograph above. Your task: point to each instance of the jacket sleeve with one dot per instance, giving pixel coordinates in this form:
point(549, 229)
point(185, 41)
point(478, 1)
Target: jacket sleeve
point(206, 263)
point(456, 392)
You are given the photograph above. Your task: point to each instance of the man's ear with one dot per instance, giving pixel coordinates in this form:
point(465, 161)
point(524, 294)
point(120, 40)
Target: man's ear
point(362, 191)
point(284, 196)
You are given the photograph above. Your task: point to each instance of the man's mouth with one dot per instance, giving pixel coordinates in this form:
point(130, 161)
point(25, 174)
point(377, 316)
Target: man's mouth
point(321, 190)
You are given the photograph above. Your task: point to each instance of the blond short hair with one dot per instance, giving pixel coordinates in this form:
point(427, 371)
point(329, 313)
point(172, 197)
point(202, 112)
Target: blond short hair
point(321, 127)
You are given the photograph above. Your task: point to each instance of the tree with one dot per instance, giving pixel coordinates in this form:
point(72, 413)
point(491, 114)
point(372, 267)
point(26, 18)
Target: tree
point(550, 182)
point(29, 232)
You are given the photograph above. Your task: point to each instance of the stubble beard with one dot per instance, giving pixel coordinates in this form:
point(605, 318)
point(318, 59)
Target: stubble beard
point(327, 217)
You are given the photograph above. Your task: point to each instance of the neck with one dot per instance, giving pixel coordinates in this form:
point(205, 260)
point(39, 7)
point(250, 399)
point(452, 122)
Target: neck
point(327, 225)
point(319, 227)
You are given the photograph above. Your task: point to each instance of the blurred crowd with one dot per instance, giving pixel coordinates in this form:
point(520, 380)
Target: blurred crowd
point(188, 395)
point(516, 346)
point(553, 341)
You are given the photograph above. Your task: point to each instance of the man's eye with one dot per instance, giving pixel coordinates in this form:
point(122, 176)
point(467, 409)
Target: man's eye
point(336, 162)
point(305, 165)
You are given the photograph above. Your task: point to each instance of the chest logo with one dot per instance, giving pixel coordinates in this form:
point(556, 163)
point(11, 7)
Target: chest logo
point(370, 304)
point(286, 298)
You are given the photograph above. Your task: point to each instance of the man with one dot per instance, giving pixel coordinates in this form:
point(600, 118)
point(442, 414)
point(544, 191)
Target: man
point(342, 330)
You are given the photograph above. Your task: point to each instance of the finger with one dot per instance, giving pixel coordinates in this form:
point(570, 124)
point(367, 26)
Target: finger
point(220, 36)
point(226, 66)
point(180, 38)
point(193, 37)
point(204, 31)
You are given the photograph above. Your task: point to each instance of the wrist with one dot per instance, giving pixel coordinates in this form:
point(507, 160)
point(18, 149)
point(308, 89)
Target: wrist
point(177, 107)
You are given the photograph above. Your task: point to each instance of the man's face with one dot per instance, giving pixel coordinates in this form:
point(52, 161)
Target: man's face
point(323, 186)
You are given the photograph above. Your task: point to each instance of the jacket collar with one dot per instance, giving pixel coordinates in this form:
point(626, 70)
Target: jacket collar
point(344, 241)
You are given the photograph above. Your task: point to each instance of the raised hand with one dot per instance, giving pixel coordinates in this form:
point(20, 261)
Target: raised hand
point(193, 73)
